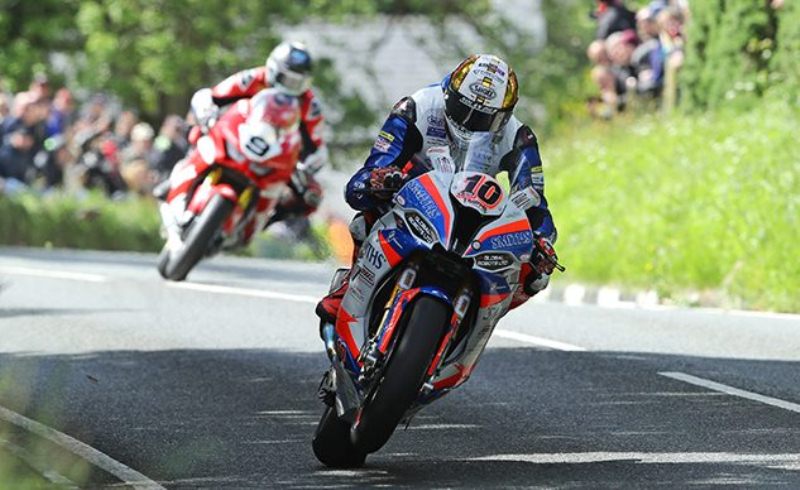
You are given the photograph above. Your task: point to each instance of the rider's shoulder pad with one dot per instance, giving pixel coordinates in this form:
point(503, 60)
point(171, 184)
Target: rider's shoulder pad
point(407, 109)
point(525, 138)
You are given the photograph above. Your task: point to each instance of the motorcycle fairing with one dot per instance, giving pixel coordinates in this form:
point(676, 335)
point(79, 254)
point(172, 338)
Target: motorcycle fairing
point(392, 240)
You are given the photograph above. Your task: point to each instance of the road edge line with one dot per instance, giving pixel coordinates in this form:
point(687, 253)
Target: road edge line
point(256, 293)
point(127, 475)
point(542, 342)
point(730, 390)
point(51, 273)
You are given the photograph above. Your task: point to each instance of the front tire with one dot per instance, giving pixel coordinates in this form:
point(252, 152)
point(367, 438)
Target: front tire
point(403, 376)
point(198, 238)
point(331, 442)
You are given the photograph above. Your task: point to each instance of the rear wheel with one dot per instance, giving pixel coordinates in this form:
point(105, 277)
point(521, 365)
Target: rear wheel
point(198, 238)
point(403, 376)
point(332, 444)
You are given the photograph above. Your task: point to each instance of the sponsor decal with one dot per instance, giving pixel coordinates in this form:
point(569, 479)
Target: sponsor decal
point(492, 68)
point(477, 106)
point(424, 200)
point(373, 255)
point(482, 90)
point(536, 170)
point(494, 261)
point(436, 132)
point(537, 179)
point(434, 120)
point(365, 275)
point(315, 109)
point(387, 136)
point(382, 144)
point(420, 227)
point(509, 240)
point(247, 78)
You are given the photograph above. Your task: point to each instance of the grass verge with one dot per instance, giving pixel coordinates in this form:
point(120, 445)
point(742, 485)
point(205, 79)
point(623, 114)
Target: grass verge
point(708, 202)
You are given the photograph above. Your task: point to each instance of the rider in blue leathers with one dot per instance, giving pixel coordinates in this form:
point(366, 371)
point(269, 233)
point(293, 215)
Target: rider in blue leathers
point(478, 96)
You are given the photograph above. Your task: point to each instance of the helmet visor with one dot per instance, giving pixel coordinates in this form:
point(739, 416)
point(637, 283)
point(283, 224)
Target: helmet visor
point(294, 83)
point(473, 117)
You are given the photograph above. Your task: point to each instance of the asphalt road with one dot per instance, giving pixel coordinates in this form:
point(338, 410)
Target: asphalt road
point(214, 384)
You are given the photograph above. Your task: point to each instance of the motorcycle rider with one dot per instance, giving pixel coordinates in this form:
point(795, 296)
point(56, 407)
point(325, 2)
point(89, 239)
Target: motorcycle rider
point(478, 96)
point(288, 69)
point(259, 130)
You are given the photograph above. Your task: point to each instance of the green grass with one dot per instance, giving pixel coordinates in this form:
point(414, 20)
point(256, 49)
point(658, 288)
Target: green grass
point(687, 203)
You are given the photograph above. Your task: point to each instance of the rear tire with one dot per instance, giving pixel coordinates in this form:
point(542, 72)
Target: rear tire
point(332, 445)
point(198, 238)
point(403, 376)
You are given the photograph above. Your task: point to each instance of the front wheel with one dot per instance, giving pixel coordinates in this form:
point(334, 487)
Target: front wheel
point(198, 238)
point(332, 444)
point(403, 376)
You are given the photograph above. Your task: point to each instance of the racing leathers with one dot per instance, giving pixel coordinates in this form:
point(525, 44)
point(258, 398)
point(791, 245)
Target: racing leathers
point(306, 193)
point(416, 124)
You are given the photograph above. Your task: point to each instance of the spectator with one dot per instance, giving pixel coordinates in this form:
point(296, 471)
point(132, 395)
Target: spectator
point(40, 87)
point(21, 139)
point(648, 58)
point(137, 159)
point(171, 145)
point(123, 127)
point(52, 163)
point(5, 112)
point(612, 16)
point(62, 114)
point(670, 23)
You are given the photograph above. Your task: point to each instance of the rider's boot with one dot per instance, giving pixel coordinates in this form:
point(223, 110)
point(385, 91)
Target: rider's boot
point(328, 307)
point(531, 283)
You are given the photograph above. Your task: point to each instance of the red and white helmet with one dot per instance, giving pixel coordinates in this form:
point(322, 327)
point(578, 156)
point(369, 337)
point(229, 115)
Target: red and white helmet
point(480, 96)
point(289, 68)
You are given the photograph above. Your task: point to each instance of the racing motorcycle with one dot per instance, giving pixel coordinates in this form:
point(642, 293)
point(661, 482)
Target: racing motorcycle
point(230, 182)
point(432, 279)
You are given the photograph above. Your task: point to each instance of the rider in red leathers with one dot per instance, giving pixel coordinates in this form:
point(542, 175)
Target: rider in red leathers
point(288, 69)
point(258, 136)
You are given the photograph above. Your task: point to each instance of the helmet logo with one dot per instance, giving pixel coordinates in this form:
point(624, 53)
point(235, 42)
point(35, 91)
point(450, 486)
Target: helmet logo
point(482, 90)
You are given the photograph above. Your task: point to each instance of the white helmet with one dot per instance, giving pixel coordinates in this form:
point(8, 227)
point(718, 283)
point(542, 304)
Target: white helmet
point(289, 68)
point(479, 96)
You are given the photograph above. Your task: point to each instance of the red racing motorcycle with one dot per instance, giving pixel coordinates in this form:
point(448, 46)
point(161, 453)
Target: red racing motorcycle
point(227, 187)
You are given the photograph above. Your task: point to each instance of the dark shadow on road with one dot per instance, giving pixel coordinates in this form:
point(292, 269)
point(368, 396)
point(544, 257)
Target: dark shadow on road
point(527, 417)
point(17, 312)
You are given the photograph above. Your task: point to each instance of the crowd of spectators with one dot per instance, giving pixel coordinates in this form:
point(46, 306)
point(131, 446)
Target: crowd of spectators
point(49, 141)
point(635, 53)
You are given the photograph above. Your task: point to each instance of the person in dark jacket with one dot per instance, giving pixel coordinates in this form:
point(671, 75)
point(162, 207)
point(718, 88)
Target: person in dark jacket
point(612, 16)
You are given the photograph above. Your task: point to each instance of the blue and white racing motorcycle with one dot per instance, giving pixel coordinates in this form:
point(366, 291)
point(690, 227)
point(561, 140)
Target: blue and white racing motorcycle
point(432, 279)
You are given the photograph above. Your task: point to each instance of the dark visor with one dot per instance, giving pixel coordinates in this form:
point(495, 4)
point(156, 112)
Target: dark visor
point(470, 118)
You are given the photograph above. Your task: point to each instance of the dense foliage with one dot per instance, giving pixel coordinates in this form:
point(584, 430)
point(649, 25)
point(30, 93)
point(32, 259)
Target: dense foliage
point(740, 51)
point(154, 53)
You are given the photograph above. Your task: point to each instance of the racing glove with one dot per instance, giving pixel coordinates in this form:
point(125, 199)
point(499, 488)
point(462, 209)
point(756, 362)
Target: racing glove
point(544, 258)
point(204, 108)
point(386, 179)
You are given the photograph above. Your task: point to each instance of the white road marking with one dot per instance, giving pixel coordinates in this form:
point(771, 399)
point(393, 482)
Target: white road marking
point(53, 274)
point(443, 426)
point(730, 390)
point(256, 293)
point(101, 460)
point(787, 461)
point(530, 339)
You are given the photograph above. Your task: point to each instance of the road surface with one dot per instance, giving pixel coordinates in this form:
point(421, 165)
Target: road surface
point(109, 374)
